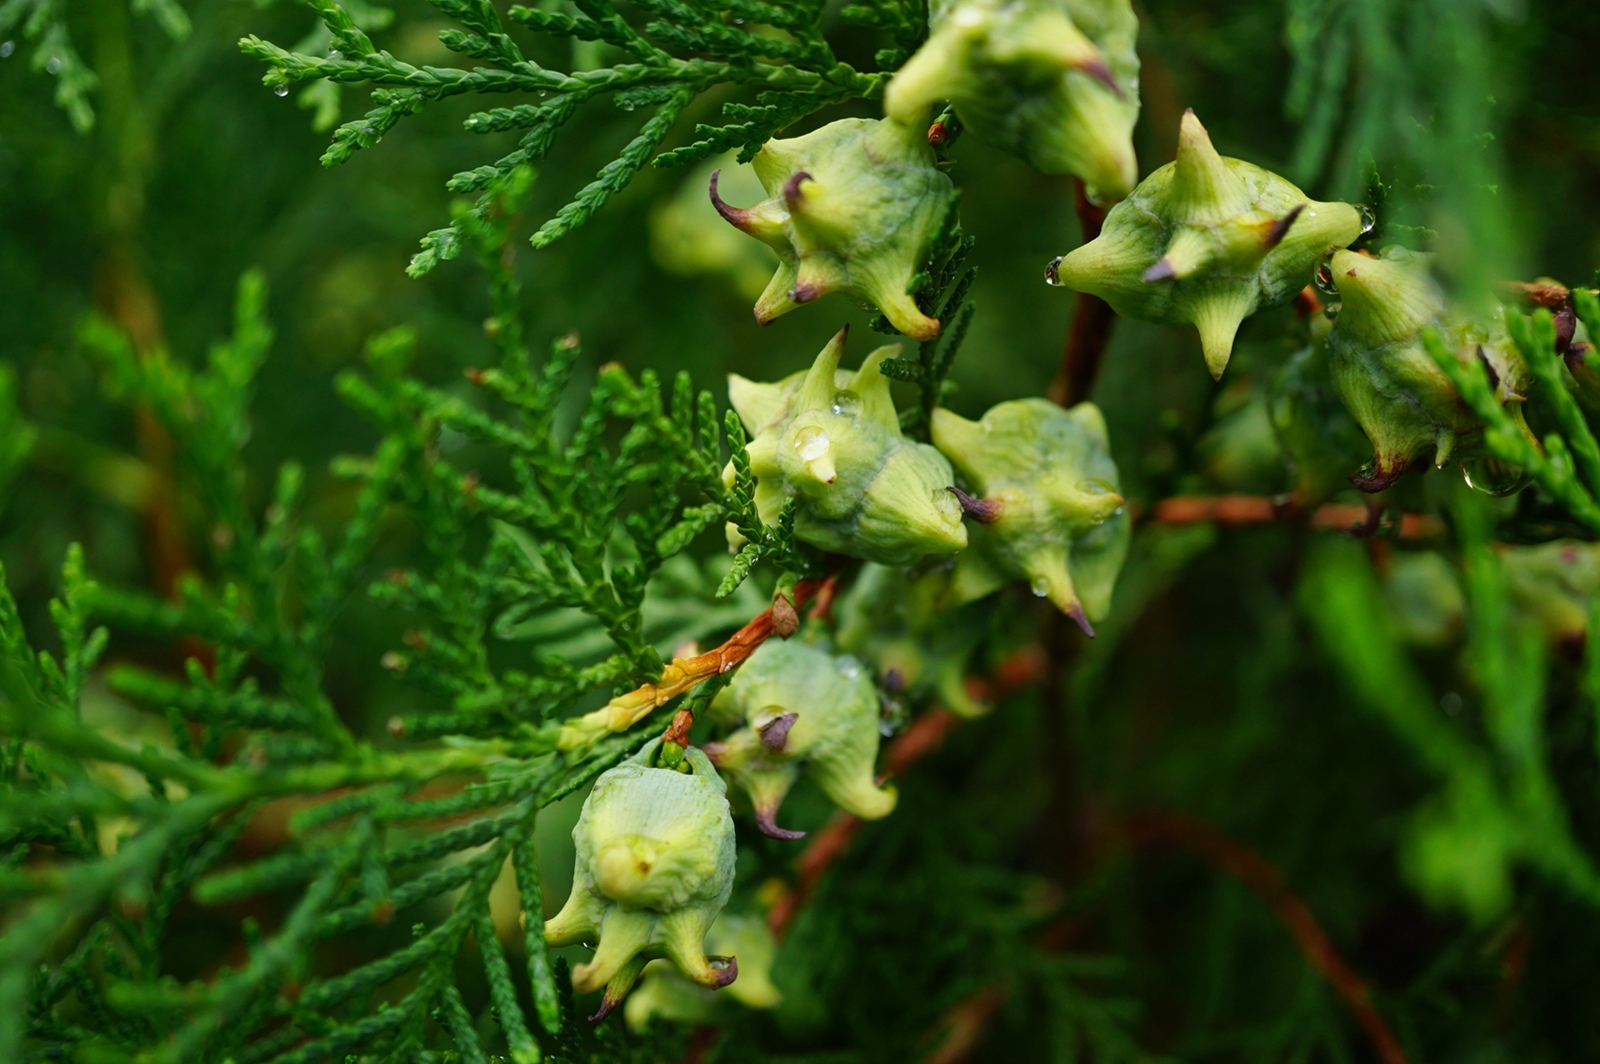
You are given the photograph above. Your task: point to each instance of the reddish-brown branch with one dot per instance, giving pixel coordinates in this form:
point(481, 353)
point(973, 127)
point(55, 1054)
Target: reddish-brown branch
point(1260, 510)
point(684, 673)
point(1092, 319)
point(920, 738)
point(1251, 869)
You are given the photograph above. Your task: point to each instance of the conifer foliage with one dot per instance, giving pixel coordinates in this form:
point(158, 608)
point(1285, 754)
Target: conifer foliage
point(945, 631)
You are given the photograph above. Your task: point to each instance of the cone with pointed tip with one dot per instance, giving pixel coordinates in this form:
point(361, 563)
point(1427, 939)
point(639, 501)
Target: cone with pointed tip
point(833, 439)
point(1551, 586)
point(854, 207)
point(1320, 439)
point(894, 619)
point(802, 710)
point(654, 868)
point(1061, 523)
point(1053, 81)
point(1391, 385)
point(663, 993)
point(1207, 241)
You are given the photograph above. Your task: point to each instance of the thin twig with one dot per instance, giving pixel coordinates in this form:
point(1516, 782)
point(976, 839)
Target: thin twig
point(1092, 319)
point(681, 674)
point(1251, 869)
point(1240, 510)
point(686, 672)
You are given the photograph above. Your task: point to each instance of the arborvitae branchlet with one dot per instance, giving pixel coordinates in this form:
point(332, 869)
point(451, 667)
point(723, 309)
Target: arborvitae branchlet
point(856, 208)
point(1053, 81)
point(1049, 511)
point(654, 868)
point(1403, 401)
point(1207, 241)
point(802, 709)
point(833, 440)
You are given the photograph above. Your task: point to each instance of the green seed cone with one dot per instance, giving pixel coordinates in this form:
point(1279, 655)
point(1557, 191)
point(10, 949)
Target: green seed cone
point(663, 993)
point(1053, 81)
point(833, 439)
point(1051, 509)
point(854, 208)
point(896, 620)
point(1393, 388)
point(654, 868)
point(802, 710)
point(1320, 439)
point(1208, 241)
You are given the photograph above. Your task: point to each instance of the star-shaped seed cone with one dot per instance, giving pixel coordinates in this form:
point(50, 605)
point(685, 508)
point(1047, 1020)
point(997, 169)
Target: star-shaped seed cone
point(654, 868)
point(833, 439)
point(1322, 442)
point(894, 619)
point(1393, 388)
point(1207, 241)
point(666, 994)
point(1053, 81)
point(802, 710)
point(1551, 585)
point(855, 207)
point(1049, 511)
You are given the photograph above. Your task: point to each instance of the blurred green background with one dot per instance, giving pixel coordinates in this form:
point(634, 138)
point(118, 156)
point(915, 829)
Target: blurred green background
point(1216, 701)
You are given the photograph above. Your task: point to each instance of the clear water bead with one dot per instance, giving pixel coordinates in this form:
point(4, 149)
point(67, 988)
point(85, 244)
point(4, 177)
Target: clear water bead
point(812, 443)
point(846, 403)
point(280, 91)
point(1051, 276)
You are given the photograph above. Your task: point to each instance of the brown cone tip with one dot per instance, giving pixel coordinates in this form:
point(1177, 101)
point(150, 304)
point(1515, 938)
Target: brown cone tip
point(1096, 68)
point(791, 189)
point(1382, 478)
point(775, 732)
point(1281, 227)
point(608, 1005)
point(1161, 271)
point(768, 825)
point(727, 969)
point(1081, 619)
point(739, 217)
point(983, 511)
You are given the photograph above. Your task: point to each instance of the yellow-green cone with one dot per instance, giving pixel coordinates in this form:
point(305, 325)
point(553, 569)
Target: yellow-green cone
point(1050, 511)
point(654, 868)
point(1404, 403)
point(1053, 81)
point(664, 993)
point(833, 439)
point(1320, 439)
point(1207, 241)
point(895, 619)
point(801, 709)
point(1551, 585)
point(853, 207)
